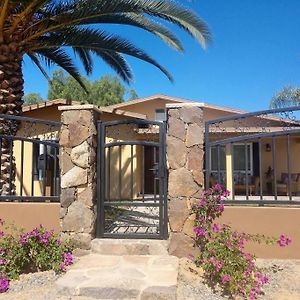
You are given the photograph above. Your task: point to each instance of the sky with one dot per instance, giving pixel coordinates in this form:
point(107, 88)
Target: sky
point(255, 53)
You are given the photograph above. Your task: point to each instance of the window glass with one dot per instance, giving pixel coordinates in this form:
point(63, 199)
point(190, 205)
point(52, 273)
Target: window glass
point(214, 158)
point(160, 115)
point(239, 158)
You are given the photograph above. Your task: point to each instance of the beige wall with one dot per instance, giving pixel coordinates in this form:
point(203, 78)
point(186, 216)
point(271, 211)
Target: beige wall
point(271, 221)
point(31, 215)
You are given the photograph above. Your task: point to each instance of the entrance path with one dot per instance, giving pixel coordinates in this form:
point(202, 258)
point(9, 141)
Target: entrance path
point(122, 269)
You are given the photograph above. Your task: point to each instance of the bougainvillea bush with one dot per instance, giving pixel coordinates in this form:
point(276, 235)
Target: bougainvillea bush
point(223, 255)
point(34, 251)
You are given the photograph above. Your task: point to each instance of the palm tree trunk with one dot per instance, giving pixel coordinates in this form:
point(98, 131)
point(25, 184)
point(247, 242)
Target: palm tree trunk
point(11, 93)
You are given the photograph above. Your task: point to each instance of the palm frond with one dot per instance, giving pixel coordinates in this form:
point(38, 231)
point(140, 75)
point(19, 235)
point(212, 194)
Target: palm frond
point(92, 39)
point(163, 9)
point(37, 62)
point(142, 22)
point(117, 62)
point(63, 60)
point(86, 59)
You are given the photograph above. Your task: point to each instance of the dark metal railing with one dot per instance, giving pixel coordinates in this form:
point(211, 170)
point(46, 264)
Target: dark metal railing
point(29, 152)
point(257, 176)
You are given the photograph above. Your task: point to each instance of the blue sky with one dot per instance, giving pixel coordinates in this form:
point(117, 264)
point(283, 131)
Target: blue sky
point(255, 52)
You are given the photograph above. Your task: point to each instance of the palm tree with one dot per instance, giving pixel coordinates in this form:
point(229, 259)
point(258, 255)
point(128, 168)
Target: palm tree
point(45, 29)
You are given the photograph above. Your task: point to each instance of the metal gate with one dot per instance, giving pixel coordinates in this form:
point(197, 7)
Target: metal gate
point(256, 155)
point(131, 168)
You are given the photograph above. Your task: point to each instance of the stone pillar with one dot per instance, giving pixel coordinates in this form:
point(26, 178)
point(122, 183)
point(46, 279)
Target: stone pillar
point(78, 144)
point(185, 156)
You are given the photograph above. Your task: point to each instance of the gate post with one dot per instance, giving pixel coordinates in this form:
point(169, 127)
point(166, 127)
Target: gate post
point(185, 154)
point(78, 146)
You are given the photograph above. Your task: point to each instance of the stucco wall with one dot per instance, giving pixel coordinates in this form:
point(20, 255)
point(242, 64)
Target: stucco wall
point(271, 221)
point(31, 215)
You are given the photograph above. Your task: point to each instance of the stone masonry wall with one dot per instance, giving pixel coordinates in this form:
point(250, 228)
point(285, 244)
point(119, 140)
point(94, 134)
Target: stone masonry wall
point(78, 176)
point(185, 140)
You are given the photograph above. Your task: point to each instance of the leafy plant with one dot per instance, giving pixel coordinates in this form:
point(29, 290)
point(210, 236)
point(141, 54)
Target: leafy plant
point(24, 252)
point(223, 255)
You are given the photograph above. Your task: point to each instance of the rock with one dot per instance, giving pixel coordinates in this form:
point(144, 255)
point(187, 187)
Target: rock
point(64, 139)
point(159, 293)
point(182, 245)
point(178, 213)
point(78, 219)
point(80, 155)
point(87, 195)
point(181, 183)
point(195, 159)
point(67, 197)
point(198, 176)
point(78, 134)
point(81, 240)
point(62, 212)
point(176, 152)
point(176, 128)
point(194, 135)
point(173, 113)
point(65, 161)
point(74, 177)
point(82, 117)
point(191, 114)
point(188, 227)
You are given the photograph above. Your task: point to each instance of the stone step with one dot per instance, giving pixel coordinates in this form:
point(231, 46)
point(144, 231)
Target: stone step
point(129, 247)
point(141, 277)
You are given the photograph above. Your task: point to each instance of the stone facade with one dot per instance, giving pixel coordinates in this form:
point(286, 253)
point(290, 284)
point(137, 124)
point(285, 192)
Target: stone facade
point(78, 141)
point(185, 154)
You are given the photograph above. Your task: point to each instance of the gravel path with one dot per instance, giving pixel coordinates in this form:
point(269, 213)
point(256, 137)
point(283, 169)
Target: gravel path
point(284, 281)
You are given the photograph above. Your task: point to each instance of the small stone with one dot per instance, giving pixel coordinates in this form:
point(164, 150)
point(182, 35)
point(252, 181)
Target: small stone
point(80, 155)
point(64, 138)
point(191, 114)
point(67, 197)
point(75, 177)
point(198, 177)
point(178, 213)
point(188, 227)
point(182, 245)
point(181, 183)
point(87, 195)
point(176, 152)
point(176, 128)
point(81, 240)
point(194, 135)
point(78, 134)
point(173, 113)
point(65, 162)
point(78, 219)
point(195, 159)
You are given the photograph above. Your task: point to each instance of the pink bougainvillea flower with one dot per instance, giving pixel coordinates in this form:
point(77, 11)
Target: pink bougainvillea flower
point(216, 228)
point(225, 279)
point(4, 284)
point(284, 241)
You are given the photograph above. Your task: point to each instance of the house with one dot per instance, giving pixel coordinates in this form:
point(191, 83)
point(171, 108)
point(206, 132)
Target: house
point(227, 163)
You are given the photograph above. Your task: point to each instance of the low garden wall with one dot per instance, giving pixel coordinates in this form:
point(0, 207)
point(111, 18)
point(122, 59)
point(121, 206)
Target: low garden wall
point(31, 215)
point(271, 221)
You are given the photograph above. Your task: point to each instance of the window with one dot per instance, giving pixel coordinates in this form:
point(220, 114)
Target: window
point(215, 160)
point(160, 115)
point(239, 158)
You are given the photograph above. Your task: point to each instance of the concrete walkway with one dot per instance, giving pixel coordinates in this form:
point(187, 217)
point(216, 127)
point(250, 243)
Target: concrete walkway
point(123, 269)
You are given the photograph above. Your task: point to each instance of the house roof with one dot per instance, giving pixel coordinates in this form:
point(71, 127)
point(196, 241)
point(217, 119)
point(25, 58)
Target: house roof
point(49, 104)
